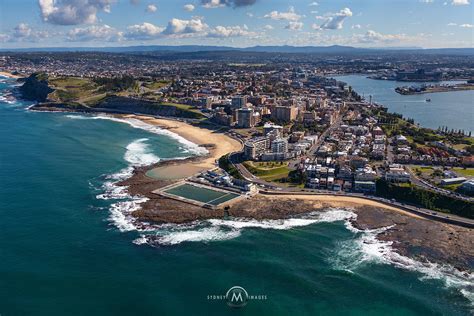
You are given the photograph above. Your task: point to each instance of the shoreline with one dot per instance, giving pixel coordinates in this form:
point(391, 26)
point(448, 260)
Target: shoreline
point(217, 145)
point(409, 236)
point(202, 163)
point(198, 163)
point(9, 75)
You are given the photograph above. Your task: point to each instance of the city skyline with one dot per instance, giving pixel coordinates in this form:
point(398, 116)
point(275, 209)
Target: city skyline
point(237, 23)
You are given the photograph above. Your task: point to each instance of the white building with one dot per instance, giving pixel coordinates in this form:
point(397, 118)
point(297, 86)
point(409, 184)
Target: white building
point(279, 146)
point(396, 173)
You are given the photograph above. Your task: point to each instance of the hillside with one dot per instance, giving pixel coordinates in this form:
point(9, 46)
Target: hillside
point(112, 95)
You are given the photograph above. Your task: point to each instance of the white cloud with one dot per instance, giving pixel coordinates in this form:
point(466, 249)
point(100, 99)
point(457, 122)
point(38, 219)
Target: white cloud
point(335, 21)
point(23, 33)
point(188, 7)
point(356, 26)
point(268, 27)
point(313, 4)
point(22, 30)
point(151, 8)
point(460, 2)
point(4, 37)
point(94, 33)
point(294, 26)
point(144, 31)
point(452, 24)
point(290, 15)
point(177, 26)
point(210, 4)
point(427, 1)
point(467, 25)
point(375, 37)
point(72, 12)
point(230, 31)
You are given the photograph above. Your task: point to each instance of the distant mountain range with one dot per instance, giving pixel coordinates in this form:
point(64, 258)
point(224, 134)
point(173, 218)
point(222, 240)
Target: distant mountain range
point(334, 49)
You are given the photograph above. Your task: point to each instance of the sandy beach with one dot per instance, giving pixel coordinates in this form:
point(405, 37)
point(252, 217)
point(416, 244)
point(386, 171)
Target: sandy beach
point(218, 145)
point(342, 202)
point(222, 145)
point(9, 75)
point(409, 234)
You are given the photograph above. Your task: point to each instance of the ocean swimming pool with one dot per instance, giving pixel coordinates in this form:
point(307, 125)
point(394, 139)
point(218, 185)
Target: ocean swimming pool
point(201, 194)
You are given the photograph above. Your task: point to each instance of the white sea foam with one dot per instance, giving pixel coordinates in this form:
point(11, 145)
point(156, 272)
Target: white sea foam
point(332, 215)
point(224, 229)
point(140, 240)
point(120, 213)
point(110, 188)
point(206, 234)
point(137, 153)
point(7, 99)
point(135, 123)
point(365, 248)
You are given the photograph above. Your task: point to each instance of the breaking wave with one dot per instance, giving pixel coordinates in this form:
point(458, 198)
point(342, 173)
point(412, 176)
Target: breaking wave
point(7, 99)
point(188, 146)
point(363, 249)
point(137, 154)
point(223, 229)
point(366, 248)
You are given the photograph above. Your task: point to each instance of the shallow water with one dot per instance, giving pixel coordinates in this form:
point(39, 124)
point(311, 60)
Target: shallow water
point(68, 247)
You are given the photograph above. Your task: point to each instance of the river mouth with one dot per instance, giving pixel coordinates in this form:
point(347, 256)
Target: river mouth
point(444, 109)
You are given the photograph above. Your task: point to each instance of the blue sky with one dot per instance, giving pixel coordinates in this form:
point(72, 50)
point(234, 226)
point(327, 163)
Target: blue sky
point(360, 23)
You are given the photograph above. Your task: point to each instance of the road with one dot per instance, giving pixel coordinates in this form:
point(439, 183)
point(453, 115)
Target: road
point(425, 213)
point(270, 188)
point(431, 187)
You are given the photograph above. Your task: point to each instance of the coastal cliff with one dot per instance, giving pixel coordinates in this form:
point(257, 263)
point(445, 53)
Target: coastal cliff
point(133, 105)
point(120, 105)
point(36, 88)
point(109, 95)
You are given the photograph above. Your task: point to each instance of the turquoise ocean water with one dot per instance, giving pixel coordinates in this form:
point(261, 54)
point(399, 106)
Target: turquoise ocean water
point(452, 109)
point(67, 246)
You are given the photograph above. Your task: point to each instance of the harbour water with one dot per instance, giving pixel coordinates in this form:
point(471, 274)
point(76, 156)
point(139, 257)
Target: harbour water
point(68, 246)
point(451, 109)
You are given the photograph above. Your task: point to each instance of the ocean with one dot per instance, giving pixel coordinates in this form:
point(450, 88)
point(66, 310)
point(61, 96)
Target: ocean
point(69, 247)
point(452, 109)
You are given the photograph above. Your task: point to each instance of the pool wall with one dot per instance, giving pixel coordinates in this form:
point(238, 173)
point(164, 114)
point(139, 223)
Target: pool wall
point(180, 191)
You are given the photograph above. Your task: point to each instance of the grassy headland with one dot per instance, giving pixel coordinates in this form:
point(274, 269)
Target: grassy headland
point(113, 95)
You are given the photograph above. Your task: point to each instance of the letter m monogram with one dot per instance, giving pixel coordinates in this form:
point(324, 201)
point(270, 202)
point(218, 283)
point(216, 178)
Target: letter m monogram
point(237, 297)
